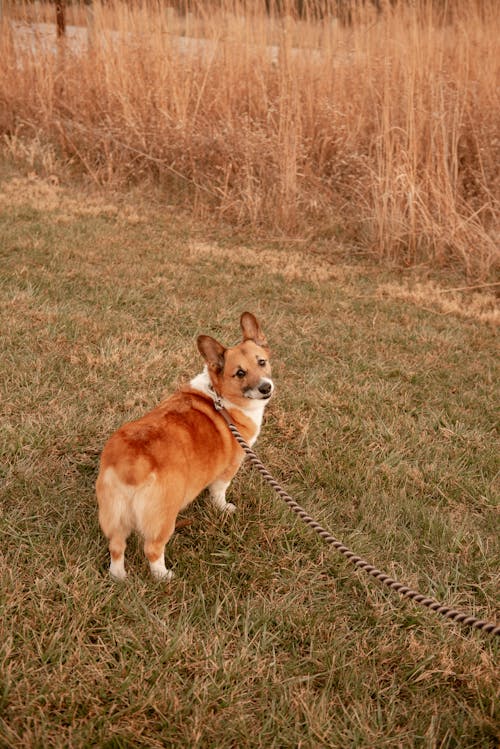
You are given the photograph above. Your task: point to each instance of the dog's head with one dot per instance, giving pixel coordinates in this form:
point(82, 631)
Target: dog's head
point(241, 373)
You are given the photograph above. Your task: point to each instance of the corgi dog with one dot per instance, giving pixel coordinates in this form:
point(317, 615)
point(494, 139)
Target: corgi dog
point(152, 468)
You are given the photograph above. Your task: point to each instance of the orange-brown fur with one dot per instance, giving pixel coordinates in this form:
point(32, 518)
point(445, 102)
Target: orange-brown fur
point(155, 466)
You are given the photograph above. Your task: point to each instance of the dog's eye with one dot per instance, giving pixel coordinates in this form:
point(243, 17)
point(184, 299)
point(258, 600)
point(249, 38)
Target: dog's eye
point(262, 362)
point(240, 373)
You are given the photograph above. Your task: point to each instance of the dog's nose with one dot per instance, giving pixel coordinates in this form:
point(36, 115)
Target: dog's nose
point(265, 388)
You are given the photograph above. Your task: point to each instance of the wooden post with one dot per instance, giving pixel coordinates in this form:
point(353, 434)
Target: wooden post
point(60, 18)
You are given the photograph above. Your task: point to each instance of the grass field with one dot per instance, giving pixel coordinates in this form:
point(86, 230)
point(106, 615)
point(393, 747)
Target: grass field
point(383, 427)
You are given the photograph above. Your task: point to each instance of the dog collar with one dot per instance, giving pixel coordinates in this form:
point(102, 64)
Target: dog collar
point(218, 404)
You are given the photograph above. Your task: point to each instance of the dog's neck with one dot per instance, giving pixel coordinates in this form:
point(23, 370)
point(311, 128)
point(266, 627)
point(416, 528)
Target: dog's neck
point(254, 410)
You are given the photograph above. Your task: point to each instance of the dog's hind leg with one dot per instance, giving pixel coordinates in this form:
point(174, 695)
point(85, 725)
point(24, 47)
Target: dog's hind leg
point(111, 495)
point(157, 524)
point(154, 549)
point(117, 544)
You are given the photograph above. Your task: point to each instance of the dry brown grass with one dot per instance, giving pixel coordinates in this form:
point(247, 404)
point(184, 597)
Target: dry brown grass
point(479, 305)
point(385, 135)
point(48, 195)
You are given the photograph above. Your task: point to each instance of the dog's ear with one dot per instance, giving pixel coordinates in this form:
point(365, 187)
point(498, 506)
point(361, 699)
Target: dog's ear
point(212, 351)
point(251, 330)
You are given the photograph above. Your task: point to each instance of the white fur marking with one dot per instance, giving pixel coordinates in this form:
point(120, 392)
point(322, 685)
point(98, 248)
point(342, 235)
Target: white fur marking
point(159, 571)
point(117, 568)
point(254, 409)
point(217, 492)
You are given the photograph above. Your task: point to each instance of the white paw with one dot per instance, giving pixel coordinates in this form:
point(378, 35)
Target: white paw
point(163, 576)
point(117, 574)
point(160, 572)
point(220, 504)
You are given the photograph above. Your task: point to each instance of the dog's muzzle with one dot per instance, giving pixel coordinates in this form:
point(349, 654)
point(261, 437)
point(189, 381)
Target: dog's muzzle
point(263, 391)
point(266, 389)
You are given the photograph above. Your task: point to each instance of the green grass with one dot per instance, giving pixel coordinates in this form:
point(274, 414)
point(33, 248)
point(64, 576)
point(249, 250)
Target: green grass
point(383, 427)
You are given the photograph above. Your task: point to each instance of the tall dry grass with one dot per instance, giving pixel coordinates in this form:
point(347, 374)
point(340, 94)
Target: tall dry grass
point(384, 134)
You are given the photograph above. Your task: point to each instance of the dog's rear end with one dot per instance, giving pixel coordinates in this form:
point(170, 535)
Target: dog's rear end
point(154, 467)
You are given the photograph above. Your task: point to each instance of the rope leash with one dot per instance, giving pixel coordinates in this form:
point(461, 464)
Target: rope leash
point(403, 590)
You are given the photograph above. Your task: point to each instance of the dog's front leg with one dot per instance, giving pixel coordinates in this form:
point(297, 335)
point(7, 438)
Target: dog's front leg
point(217, 492)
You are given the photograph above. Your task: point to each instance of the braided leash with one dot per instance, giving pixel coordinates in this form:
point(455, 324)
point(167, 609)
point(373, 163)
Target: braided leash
point(403, 590)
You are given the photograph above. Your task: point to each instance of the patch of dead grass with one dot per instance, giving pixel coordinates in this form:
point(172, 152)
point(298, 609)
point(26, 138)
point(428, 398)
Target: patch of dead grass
point(293, 266)
point(478, 305)
point(47, 195)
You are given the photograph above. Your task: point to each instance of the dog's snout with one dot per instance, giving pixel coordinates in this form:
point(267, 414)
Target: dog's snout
point(265, 387)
